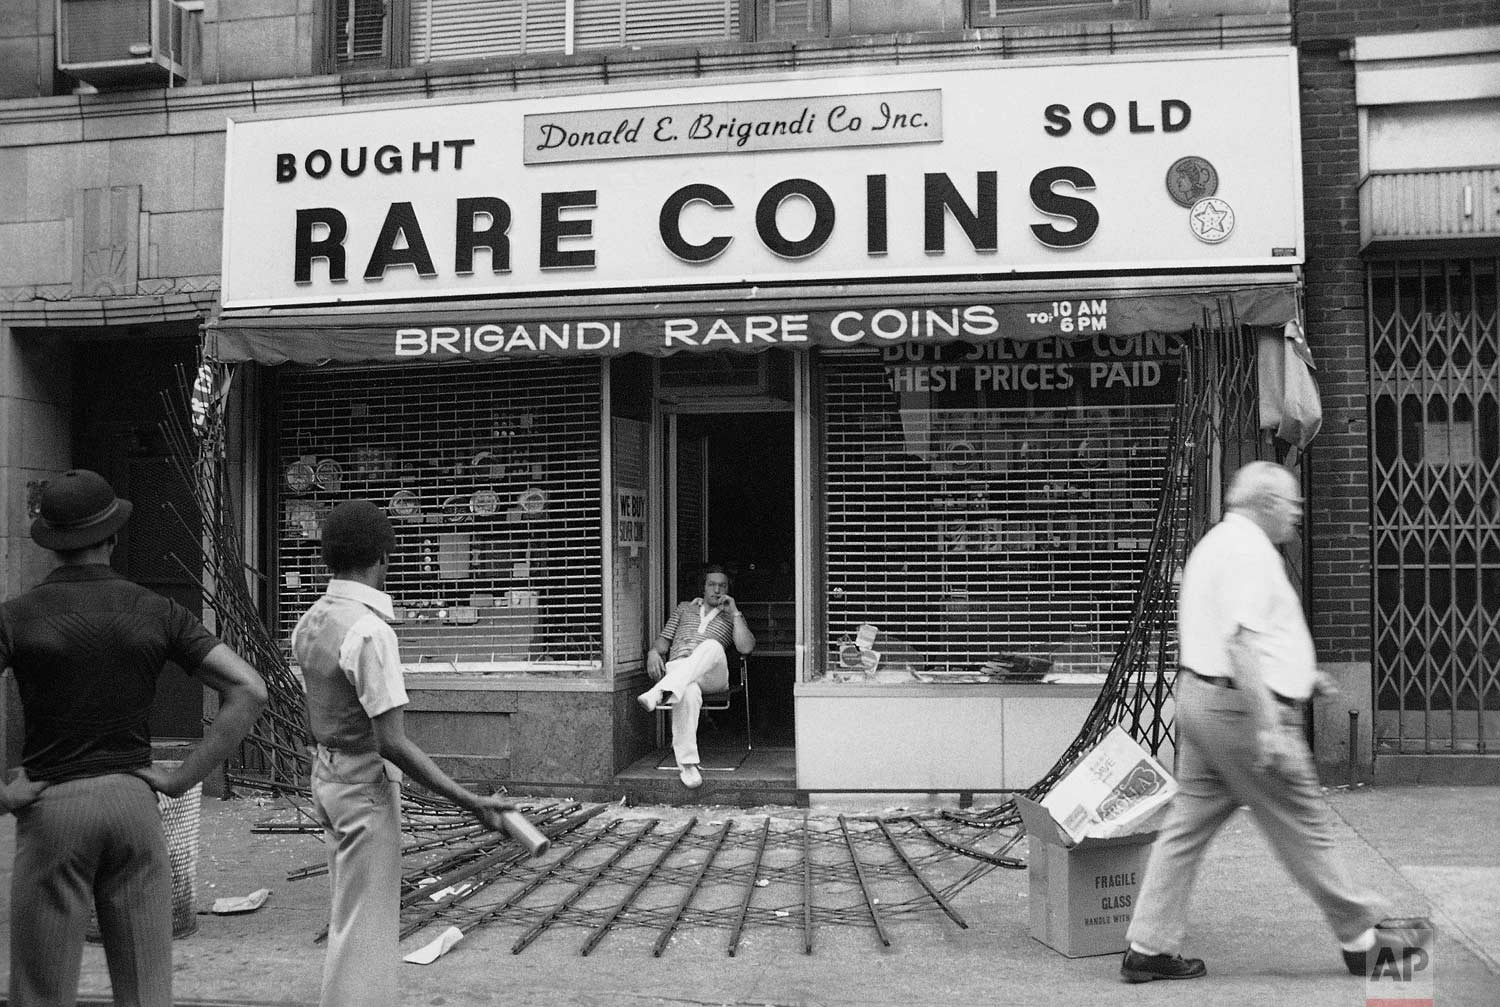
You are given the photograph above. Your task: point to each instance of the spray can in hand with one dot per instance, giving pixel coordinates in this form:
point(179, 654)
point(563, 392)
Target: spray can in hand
point(523, 832)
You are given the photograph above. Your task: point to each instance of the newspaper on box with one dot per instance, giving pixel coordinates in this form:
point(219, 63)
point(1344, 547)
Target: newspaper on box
point(1111, 791)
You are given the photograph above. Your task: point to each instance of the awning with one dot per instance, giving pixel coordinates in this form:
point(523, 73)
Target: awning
point(750, 320)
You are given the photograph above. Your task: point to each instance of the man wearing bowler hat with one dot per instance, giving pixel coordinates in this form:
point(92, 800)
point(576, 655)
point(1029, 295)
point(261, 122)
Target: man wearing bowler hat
point(86, 647)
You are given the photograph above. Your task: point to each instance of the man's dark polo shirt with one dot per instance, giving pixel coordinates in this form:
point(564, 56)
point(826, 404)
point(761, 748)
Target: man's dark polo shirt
point(86, 646)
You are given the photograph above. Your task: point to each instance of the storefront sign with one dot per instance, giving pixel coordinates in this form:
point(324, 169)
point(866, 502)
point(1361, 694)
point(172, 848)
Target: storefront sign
point(630, 518)
point(488, 334)
point(730, 127)
point(1049, 365)
point(1014, 168)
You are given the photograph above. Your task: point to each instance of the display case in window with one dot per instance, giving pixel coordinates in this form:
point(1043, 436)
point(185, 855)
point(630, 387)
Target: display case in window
point(490, 476)
point(978, 534)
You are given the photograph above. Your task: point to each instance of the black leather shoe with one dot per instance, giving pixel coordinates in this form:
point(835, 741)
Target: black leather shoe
point(1138, 968)
point(1395, 935)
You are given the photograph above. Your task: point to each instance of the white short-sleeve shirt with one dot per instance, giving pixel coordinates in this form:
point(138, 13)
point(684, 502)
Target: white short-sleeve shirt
point(1235, 578)
point(351, 664)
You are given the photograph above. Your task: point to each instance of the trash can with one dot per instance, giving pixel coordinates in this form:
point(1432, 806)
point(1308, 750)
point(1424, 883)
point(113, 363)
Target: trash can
point(179, 820)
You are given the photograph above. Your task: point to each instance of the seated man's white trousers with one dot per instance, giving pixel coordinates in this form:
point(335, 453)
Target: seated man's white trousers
point(706, 669)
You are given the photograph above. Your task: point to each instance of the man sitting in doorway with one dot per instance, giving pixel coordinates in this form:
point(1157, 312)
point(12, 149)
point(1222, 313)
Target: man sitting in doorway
point(691, 657)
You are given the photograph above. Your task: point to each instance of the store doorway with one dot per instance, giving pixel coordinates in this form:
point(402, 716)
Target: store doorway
point(732, 504)
point(122, 391)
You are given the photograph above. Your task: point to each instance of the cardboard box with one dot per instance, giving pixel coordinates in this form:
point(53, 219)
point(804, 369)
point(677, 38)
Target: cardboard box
point(1090, 837)
point(1083, 895)
point(1110, 789)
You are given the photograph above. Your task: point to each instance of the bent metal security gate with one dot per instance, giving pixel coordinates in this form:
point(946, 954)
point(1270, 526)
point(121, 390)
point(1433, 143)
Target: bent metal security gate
point(643, 879)
point(640, 874)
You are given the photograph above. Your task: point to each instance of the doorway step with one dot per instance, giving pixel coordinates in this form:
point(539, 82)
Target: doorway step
point(761, 776)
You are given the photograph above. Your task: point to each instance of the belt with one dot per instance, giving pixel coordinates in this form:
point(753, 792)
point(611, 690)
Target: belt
point(1224, 682)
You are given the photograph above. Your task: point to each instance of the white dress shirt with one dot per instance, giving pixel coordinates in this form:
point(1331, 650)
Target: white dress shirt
point(1235, 579)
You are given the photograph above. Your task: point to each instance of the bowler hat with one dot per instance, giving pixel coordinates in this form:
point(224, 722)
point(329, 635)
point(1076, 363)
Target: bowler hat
point(79, 509)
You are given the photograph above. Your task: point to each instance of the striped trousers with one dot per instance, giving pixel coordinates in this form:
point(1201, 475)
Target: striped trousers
point(95, 842)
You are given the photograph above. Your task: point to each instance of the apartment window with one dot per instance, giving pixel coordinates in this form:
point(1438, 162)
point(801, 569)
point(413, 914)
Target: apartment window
point(606, 23)
point(997, 13)
point(189, 40)
point(791, 19)
point(367, 34)
point(461, 29)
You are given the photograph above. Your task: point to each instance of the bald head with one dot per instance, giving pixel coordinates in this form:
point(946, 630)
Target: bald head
point(1267, 493)
point(1257, 481)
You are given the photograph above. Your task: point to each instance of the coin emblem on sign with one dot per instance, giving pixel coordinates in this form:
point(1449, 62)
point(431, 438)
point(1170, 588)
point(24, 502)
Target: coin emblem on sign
point(1211, 220)
point(1190, 179)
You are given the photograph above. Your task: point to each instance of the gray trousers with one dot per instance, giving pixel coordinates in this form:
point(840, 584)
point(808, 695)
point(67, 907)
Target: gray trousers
point(358, 802)
point(92, 842)
point(1215, 738)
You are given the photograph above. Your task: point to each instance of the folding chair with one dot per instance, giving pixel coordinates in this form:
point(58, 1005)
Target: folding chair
point(716, 702)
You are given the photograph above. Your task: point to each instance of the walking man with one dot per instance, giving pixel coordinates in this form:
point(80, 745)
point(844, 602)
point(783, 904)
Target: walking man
point(355, 701)
point(86, 647)
point(1248, 674)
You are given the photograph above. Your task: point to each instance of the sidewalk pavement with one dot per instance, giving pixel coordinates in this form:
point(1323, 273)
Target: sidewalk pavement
point(1432, 849)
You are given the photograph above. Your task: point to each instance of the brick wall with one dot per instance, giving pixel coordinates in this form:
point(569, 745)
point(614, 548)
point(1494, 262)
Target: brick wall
point(1317, 19)
point(1339, 501)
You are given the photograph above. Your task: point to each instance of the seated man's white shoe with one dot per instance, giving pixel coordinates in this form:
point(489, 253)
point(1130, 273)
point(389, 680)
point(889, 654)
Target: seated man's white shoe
point(651, 699)
point(691, 778)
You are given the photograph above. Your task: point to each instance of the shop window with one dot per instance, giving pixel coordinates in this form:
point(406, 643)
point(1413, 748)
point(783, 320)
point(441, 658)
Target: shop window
point(989, 510)
point(998, 13)
point(491, 475)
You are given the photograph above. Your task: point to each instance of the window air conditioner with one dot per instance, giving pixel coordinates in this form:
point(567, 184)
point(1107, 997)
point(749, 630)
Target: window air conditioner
point(121, 43)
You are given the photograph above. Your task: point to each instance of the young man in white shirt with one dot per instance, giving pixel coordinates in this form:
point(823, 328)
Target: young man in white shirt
point(355, 698)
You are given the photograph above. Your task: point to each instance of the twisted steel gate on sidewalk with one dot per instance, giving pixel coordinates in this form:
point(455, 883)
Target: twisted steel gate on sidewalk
point(802, 874)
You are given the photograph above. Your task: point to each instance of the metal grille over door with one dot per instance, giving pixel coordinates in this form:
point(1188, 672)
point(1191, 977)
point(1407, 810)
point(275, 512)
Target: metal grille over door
point(491, 475)
point(1435, 403)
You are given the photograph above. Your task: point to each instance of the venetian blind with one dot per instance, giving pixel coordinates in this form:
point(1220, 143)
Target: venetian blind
point(462, 29)
point(459, 29)
point(989, 13)
point(491, 477)
point(359, 31)
point(605, 23)
point(792, 19)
